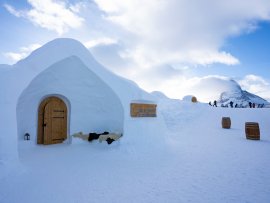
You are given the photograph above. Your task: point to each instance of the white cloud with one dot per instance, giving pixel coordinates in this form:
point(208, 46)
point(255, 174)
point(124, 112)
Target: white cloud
point(76, 8)
point(14, 56)
point(22, 53)
point(99, 42)
point(157, 39)
point(257, 85)
point(13, 11)
point(51, 14)
point(181, 31)
point(163, 39)
point(206, 58)
point(207, 88)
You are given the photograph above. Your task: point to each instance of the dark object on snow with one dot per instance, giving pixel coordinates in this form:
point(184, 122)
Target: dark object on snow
point(215, 103)
point(109, 140)
point(210, 103)
point(194, 99)
point(226, 122)
point(231, 104)
point(250, 104)
point(93, 136)
point(253, 105)
point(252, 130)
point(26, 136)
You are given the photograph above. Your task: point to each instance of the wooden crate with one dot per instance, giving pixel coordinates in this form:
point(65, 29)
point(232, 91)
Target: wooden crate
point(143, 110)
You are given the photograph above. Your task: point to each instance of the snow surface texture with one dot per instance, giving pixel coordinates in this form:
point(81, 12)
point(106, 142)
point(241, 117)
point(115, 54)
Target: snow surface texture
point(26, 83)
point(199, 162)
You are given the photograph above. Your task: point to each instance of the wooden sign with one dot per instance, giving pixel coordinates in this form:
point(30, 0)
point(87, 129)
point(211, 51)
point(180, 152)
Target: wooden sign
point(143, 110)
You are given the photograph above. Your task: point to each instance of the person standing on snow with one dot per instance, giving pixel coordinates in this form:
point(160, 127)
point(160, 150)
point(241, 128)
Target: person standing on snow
point(231, 104)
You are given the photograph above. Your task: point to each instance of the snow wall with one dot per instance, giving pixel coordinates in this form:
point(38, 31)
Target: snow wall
point(8, 130)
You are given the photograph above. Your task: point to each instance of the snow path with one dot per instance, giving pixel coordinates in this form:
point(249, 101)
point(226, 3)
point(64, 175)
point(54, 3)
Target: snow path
point(203, 163)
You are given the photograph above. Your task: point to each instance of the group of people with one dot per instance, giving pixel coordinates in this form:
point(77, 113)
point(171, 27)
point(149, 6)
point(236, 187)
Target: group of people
point(231, 104)
point(253, 105)
point(214, 103)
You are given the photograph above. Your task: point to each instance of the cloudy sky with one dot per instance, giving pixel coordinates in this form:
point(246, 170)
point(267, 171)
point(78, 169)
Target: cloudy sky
point(166, 45)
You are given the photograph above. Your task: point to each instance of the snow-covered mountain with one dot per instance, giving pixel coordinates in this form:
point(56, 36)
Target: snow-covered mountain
point(223, 90)
point(240, 97)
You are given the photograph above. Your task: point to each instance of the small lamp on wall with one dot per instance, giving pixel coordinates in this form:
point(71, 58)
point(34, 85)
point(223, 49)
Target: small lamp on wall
point(26, 136)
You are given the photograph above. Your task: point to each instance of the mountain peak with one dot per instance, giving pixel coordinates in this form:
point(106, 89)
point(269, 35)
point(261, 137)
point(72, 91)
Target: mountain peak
point(240, 97)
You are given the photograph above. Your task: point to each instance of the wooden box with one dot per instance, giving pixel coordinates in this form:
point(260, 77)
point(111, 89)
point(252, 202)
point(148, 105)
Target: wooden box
point(143, 110)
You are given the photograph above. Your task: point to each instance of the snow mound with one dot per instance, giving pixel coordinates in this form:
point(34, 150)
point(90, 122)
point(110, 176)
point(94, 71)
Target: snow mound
point(188, 98)
point(159, 95)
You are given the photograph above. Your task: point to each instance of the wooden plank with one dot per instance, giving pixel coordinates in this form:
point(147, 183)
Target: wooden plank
point(40, 122)
point(48, 123)
point(143, 110)
point(52, 113)
point(40, 136)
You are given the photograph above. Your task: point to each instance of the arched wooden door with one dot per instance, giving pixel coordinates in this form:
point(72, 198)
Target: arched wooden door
point(52, 121)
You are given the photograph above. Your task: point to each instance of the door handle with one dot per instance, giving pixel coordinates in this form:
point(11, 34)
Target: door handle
point(44, 124)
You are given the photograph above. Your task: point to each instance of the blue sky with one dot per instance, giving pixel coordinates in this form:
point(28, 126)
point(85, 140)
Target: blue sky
point(162, 45)
point(252, 50)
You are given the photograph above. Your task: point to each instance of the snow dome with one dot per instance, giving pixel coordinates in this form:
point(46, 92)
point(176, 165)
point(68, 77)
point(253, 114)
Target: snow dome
point(91, 105)
point(61, 87)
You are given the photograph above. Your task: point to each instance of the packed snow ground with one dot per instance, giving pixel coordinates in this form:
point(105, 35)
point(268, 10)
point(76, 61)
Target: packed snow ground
point(199, 162)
